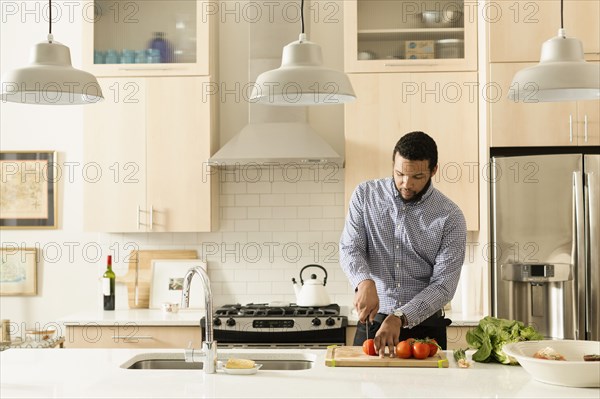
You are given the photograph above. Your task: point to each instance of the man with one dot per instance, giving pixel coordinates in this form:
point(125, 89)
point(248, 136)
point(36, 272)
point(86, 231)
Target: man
point(402, 248)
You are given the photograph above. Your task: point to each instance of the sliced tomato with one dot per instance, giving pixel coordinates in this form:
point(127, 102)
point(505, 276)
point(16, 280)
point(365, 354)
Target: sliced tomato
point(369, 347)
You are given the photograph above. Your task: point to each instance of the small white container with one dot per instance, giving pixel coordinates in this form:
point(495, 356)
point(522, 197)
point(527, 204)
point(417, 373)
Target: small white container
point(170, 307)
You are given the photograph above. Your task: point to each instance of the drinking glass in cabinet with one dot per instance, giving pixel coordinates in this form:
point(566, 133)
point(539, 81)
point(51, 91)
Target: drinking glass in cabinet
point(169, 26)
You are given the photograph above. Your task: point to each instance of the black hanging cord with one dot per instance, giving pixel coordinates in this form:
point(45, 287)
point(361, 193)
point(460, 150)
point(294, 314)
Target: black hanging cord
point(50, 17)
point(302, 14)
point(561, 15)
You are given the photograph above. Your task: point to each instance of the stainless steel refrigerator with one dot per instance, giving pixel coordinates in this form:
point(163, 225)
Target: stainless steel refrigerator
point(545, 243)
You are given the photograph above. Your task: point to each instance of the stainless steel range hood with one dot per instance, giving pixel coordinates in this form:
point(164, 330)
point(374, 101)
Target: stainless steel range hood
point(273, 135)
point(276, 144)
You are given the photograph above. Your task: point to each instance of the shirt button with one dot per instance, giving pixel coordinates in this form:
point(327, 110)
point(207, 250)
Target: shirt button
point(397, 264)
point(398, 285)
point(397, 246)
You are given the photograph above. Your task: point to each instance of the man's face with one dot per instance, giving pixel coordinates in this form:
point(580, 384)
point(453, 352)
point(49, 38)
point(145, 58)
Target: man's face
point(411, 177)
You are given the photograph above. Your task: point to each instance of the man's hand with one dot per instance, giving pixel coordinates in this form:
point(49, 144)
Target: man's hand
point(366, 301)
point(388, 335)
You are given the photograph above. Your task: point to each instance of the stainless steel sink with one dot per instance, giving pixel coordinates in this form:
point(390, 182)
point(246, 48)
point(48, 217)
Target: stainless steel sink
point(165, 364)
point(176, 361)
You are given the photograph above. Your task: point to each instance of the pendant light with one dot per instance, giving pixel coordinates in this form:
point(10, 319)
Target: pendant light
point(50, 79)
point(562, 74)
point(302, 80)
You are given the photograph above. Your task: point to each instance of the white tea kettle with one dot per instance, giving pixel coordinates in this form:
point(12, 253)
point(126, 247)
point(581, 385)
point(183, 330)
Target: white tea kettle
point(312, 291)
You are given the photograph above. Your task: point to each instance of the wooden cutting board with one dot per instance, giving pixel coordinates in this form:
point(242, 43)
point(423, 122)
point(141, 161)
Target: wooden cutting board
point(353, 356)
point(143, 261)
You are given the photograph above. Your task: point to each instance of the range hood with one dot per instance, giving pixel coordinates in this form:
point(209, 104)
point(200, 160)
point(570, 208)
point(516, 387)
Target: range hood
point(273, 135)
point(276, 143)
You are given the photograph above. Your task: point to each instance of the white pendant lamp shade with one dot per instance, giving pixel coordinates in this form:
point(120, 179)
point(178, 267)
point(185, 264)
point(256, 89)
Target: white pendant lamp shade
point(302, 79)
point(50, 79)
point(562, 74)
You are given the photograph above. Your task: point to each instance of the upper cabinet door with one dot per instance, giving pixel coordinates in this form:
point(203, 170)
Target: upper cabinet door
point(517, 28)
point(115, 158)
point(179, 140)
point(527, 123)
point(403, 35)
point(147, 38)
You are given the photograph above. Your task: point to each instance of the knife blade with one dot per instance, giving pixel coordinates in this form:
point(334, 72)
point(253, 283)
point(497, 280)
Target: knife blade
point(367, 327)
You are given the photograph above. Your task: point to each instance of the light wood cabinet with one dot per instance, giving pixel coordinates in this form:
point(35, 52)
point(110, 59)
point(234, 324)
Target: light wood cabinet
point(588, 122)
point(537, 124)
point(456, 336)
point(146, 149)
point(518, 28)
point(117, 36)
point(392, 36)
point(131, 335)
point(443, 105)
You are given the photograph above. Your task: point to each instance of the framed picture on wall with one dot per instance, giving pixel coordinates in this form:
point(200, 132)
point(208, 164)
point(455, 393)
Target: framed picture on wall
point(167, 282)
point(18, 271)
point(28, 189)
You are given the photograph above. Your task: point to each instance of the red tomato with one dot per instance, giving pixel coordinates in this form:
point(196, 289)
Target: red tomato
point(420, 350)
point(369, 347)
point(433, 346)
point(403, 350)
point(410, 340)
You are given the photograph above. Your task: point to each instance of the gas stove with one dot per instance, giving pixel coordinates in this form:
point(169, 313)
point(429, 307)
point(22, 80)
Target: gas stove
point(278, 325)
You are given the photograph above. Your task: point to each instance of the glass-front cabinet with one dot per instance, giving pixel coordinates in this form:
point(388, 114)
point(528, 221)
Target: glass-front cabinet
point(408, 35)
point(148, 37)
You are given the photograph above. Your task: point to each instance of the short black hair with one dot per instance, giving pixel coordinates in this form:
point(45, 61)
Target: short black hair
point(417, 146)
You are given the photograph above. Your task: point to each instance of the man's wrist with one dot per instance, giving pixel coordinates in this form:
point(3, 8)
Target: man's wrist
point(366, 280)
point(400, 314)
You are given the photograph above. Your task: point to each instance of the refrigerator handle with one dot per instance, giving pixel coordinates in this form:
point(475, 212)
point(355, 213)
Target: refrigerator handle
point(592, 258)
point(580, 258)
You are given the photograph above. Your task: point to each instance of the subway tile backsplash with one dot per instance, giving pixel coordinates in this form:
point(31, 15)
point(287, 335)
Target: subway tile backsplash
point(273, 222)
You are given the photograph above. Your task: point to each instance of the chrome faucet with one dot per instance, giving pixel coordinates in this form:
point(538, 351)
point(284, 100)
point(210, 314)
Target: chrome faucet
point(208, 355)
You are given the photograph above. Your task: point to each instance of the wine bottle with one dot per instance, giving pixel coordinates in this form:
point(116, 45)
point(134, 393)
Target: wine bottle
point(108, 286)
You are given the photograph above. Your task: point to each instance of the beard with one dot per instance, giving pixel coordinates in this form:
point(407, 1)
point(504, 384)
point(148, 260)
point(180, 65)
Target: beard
point(416, 196)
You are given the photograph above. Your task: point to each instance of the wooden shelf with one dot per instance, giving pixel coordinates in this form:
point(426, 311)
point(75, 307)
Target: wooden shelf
point(404, 34)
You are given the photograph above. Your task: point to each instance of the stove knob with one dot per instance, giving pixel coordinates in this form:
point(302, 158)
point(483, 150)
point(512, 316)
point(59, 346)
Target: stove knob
point(330, 321)
point(217, 321)
point(316, 322)
point(231, 322)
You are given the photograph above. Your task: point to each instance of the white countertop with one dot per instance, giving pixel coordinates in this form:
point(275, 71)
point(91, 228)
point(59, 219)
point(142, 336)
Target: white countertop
point(66, 373)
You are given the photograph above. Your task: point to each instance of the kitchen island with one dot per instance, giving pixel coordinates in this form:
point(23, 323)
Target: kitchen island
point(97, 373)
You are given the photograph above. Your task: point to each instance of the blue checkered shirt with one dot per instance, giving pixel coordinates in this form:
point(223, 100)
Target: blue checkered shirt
point(413, 251)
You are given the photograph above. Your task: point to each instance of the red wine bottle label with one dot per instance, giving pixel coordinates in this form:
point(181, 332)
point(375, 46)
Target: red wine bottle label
point(106, 286)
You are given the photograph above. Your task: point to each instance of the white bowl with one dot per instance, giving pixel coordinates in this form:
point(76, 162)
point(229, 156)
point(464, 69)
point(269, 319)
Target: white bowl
point(572, 372)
